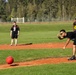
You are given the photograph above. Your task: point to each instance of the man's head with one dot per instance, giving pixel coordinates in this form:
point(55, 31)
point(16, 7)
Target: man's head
point(62, 34)
point(14, 23)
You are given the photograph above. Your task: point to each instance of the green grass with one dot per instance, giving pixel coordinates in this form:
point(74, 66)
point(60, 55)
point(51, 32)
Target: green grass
point(31, 37)
point(38, 27)
point(53, 69)
point(32, 54)
point(36, 33)
point(39, 37)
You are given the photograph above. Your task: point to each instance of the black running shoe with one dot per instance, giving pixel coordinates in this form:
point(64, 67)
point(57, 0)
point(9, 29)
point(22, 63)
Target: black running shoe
point(72, 58)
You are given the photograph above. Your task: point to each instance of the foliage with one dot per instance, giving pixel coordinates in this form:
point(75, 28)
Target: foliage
point(39, 10)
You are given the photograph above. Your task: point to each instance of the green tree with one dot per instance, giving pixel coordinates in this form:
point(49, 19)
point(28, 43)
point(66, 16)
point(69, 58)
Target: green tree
point(41, 10)
point(2, 10)
point(31, 11)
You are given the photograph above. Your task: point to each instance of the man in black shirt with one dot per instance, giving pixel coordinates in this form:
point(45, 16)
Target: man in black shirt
point(70, 36)
point(14, 33)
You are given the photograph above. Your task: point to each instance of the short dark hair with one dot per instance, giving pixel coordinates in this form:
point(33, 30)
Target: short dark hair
point(62, 30)
point(14, 21)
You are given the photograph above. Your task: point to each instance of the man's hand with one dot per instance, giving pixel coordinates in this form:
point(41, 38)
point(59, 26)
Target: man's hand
point(64, 47)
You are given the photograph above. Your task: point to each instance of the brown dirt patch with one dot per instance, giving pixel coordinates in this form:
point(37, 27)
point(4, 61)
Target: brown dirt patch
point(35, 62)
point(34, 46)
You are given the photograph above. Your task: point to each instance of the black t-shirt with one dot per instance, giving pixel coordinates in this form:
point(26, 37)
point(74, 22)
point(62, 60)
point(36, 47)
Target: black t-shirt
point(71, 35)
point(15, 29)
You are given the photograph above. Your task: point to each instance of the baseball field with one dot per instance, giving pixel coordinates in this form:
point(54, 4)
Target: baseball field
point(39, 51)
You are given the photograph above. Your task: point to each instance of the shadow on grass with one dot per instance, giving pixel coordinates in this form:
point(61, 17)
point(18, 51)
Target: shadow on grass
point(25, 44)
point(14, 65)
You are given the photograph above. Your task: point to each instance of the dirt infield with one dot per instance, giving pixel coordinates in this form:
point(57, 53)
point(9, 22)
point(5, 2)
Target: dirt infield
point(34, 46)
point(35, 62)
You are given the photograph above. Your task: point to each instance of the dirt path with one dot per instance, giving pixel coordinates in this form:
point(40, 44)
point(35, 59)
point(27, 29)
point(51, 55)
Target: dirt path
point(35, 62)
point(34, 46)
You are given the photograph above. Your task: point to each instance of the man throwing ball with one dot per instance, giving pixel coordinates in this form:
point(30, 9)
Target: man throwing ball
point(70, 36)
point(14, 33)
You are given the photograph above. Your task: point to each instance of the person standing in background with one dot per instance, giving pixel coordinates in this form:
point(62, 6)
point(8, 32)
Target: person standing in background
point(14, 33)
point(74, 25)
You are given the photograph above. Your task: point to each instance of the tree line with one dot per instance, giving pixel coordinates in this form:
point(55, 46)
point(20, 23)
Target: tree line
point(38, 10)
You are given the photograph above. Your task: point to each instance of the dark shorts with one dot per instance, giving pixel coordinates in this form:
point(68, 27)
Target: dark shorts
point(14, 36)
point(74, 43)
